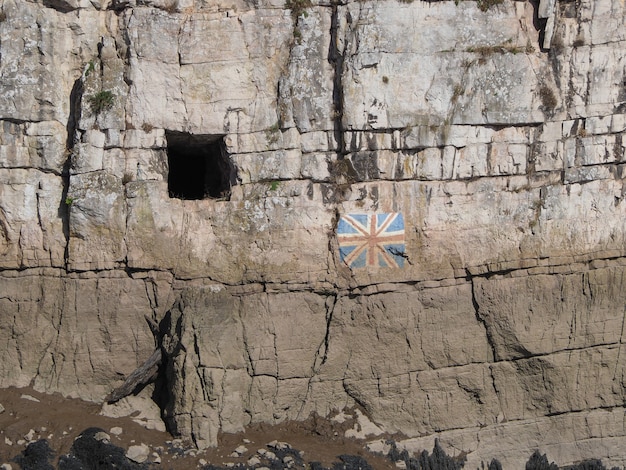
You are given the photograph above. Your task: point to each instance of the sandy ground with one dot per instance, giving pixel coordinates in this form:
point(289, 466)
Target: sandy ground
point(61, 420)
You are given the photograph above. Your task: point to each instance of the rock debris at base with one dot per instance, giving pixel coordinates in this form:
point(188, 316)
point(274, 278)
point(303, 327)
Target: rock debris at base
point(91, 452)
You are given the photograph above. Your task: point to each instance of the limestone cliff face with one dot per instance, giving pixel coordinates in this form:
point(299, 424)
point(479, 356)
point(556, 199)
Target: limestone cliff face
point(415, 207)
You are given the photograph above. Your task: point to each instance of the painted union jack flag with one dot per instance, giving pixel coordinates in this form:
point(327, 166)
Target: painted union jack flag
point(371, 240)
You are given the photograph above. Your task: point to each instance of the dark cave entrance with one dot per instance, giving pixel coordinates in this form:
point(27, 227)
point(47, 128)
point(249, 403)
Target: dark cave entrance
point(199, 167)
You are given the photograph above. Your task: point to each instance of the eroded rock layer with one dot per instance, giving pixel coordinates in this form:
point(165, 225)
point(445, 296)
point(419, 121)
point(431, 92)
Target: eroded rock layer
point(413, 207)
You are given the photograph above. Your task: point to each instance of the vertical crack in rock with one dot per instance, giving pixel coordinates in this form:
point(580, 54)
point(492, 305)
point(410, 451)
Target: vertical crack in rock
point(266, 315)
point(619, 346)
point(75, 111)
point(539, 23)
point(123, 53)
point(572, 327)
point(183, 236)
point(590, 81)
point(74, 365)
point(180, 63)
point(198, 366)
point(152, 295)
point(587, 288)
point(336, 58)
point(246, 347)
point(497, 392)
point(322, 352)
point(223, 393)
point(5, 241)
point(332, 241)
point(355, 394)
point(136, 345)
point(482, 320)
point(42, 357)
point(351, 391)
point(330, 309)
point(89, 357)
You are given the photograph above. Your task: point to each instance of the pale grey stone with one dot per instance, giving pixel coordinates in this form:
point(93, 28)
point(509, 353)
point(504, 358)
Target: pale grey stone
point(252, 461)
point(102, 437)
point(240, 450)
point(25, 396)
point(138, 453)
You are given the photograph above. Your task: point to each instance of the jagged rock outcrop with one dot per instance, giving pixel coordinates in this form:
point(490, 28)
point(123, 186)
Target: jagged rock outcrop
point(414, 207)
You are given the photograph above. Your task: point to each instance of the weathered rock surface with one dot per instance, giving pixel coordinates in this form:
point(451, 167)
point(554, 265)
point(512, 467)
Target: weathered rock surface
point(138, 453)
point(496, 130)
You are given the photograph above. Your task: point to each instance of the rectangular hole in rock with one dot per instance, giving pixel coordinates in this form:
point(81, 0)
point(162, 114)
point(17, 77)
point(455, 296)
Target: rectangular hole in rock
point(199, 166)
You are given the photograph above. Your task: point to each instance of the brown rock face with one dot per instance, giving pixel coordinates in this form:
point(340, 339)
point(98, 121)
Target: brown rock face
point(414, 207)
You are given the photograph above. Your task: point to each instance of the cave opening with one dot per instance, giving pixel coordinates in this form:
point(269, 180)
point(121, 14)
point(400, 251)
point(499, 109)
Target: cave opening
point(199, 166)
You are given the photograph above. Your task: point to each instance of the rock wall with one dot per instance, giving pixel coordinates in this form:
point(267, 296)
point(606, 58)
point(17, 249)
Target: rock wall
point(413, 207)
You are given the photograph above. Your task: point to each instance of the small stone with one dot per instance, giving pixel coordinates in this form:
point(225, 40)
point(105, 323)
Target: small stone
point(261, 452)
point(8, 441)
point(21, 442)
point(269, 455)
point(116, 431)
point(6, 466)
point(241, 450)
point(288, 459)
point(138, 453)
point(1, 410)
point(156, 458)
point(279, 445)
point(29, 397)
point(202, 462)
point(102, 437)
point(400, 464)
point(246, 441)
point(233, 454)
point(43, 429)
point(229, 464)
point(29, 436)
point(252, 461)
